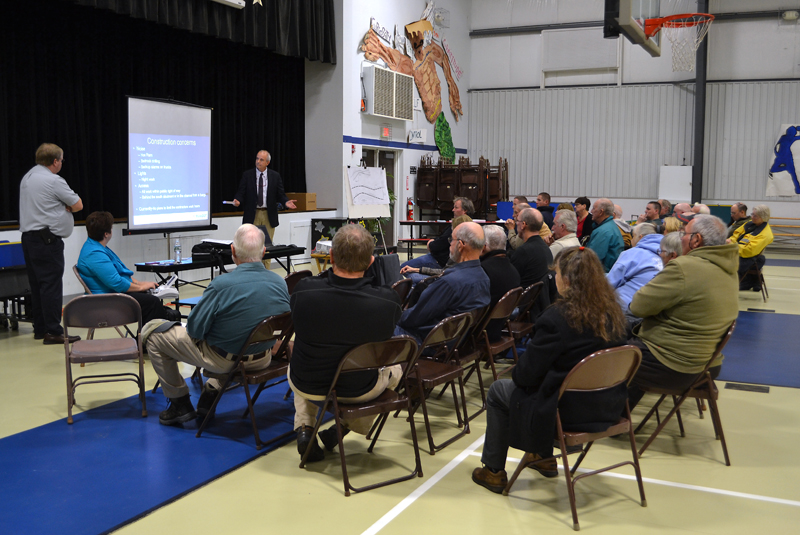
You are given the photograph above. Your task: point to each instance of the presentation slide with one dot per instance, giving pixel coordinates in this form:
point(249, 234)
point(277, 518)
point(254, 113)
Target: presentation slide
point(169, 179)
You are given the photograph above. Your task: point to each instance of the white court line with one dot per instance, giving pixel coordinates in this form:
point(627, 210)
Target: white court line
point(685, 486)
point(425, 487)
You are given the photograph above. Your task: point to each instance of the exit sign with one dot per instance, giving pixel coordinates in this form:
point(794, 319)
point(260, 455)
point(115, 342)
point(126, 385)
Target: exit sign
point(386, 131)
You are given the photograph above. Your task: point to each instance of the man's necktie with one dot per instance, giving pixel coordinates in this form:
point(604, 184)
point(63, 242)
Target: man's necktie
point(261, 189)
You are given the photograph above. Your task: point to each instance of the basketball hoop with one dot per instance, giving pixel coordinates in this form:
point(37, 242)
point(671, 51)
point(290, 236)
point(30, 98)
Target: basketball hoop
point(685, 32)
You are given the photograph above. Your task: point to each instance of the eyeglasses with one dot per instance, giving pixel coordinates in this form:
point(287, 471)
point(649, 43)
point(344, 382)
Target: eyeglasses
point(451, 240)
point(683, 233)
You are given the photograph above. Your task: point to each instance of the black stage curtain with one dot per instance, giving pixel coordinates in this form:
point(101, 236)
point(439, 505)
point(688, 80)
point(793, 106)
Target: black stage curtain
point(296, 28)
point(65, 73)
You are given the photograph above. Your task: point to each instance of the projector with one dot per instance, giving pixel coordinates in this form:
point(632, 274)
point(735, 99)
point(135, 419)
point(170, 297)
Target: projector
point(238, 4)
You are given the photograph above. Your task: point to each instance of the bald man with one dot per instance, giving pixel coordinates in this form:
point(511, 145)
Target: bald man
point(461, 288)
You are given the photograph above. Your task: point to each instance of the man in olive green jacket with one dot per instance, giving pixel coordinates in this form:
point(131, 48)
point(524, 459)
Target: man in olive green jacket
point(686, 309)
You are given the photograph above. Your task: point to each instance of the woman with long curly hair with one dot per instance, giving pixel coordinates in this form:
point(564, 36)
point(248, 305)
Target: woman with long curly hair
point(521, 411)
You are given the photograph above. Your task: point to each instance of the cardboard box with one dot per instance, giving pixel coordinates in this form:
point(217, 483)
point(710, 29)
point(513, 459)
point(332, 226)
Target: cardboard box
point(305, 201)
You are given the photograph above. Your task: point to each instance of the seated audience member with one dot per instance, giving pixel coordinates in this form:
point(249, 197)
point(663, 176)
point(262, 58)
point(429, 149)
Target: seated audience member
point(623, 226)
point(637, 266)
point(519, 199)
point(515, 240)
point(651, 213)
point(753, 238)
point(502, 275)
point(686, 309)
point(666, 208)
point(332, 315)
point(439, 247)
point(681, 208)
point(543, 205)
point(739, 217)
point(565, 206)
point(672, 224)
point(103, 271)
point(521, 411)
point(217, 328)
point(461, 288)
point(670, 248)
point(701, 209)
point(417, 274)
point(532, 259)
point(605, 241)
point(582, 205)
point(564, 226)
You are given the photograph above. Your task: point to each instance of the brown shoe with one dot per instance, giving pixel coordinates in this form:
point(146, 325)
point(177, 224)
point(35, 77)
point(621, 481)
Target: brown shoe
point(494, 481)
point(548, 467)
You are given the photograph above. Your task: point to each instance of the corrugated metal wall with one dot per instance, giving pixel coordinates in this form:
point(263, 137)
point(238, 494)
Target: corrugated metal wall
point(612, 140)
point(743, 120)
point(593, 141)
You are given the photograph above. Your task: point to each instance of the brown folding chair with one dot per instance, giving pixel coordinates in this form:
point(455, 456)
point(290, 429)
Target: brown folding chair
point(371, 356)
point(403, 289)
point(603, 370)
point(296, 276)
point(759, 274)
point(97, 312)
point(703, 388)
point(501, 311)
point(278, 328)
point(522, 325)
point(438, 369)
point(468, 355)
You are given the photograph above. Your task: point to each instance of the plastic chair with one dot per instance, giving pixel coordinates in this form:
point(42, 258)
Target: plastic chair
point(599, 371)
point(703, 388)
point(278, 328)
point(97, 312)
point(296, 276)
point(371, 356)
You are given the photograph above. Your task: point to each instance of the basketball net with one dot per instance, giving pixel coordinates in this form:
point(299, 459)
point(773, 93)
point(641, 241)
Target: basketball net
point(685, 33)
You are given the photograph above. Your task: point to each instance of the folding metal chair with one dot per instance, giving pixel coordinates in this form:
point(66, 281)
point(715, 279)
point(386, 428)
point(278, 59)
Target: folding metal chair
point(603, 370)
point(98, 312)
point(371, 356)
point(278, 328)
point(704, 388)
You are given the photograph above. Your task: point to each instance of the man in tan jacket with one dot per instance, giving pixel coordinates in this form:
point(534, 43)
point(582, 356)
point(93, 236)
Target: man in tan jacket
point(686, 309)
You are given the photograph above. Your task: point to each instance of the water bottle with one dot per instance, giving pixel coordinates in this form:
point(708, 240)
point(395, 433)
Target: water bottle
point(177, 250)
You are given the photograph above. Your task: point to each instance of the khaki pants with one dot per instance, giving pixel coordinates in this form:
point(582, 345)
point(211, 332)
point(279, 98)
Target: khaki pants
point(175, 345)
point(305, 412)
point(262, 218)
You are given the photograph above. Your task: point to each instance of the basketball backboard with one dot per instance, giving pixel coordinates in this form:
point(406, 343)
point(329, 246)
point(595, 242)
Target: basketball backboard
point(627, 17)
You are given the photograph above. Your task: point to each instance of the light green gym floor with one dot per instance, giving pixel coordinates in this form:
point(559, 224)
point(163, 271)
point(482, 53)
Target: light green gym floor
point(688, 487)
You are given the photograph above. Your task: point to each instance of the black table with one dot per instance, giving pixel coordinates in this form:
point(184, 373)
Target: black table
point(165, 267)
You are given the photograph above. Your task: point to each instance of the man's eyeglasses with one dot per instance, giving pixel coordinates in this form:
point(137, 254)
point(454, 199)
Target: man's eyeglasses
point(683, 233)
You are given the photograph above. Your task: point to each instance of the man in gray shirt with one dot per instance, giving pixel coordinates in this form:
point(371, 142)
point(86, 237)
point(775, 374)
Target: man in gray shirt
point(46, 204)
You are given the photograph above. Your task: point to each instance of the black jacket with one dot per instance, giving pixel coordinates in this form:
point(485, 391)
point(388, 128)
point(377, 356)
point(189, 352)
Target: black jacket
point(247, 195)
point(555, 348)
point(502, 278)
point(547, 214)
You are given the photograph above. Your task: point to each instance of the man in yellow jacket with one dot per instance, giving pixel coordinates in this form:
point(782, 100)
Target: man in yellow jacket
point(753, 237)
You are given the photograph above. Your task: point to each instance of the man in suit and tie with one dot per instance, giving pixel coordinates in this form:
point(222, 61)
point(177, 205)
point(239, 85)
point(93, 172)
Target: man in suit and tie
point(260, 191)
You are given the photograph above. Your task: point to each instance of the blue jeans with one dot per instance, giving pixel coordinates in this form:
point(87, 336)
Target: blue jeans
point(422, 261)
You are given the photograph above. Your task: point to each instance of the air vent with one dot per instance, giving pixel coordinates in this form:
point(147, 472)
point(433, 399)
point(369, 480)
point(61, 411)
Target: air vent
point(389, 94)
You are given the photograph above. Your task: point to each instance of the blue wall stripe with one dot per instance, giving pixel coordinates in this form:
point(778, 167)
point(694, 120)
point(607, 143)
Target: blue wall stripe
point(394, 144)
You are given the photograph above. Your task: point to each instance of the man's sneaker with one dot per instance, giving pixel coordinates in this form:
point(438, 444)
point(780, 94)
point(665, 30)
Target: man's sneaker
point(180, 410)
point(207, 398)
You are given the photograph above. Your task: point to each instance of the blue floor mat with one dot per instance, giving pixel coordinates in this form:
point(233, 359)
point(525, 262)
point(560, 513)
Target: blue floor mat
point(781, 262)
point(112, 466)
point(763, 350)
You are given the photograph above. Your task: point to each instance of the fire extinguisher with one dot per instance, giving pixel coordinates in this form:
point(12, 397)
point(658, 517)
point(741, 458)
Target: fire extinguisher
point(410, 210)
